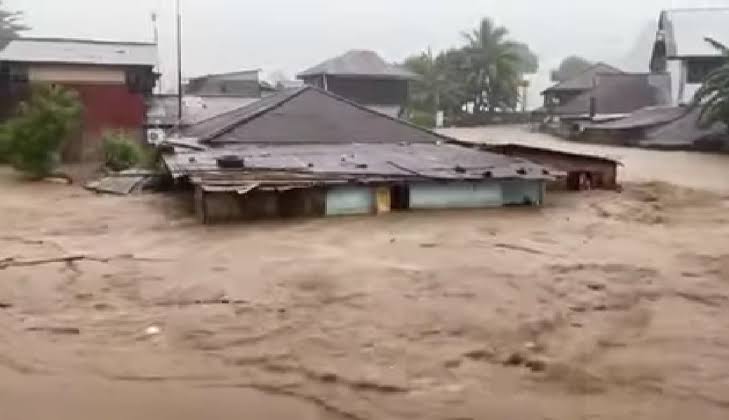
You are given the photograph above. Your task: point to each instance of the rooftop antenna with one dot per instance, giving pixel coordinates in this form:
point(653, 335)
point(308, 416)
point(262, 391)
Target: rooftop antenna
point(179, 62)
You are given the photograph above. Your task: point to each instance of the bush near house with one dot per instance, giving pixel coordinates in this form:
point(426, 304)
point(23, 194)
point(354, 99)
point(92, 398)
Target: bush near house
point(423, 119)
point(122, 152)
point(32, 140)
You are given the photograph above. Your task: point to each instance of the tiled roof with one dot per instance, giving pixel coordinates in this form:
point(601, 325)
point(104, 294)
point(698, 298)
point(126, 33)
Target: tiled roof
point(359, 63)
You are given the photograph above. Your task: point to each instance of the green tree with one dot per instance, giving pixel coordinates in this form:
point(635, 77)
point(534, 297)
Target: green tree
point(570, 67)
point(43, 123)
point(713, 96)
point(10, 26)
point(496, 67)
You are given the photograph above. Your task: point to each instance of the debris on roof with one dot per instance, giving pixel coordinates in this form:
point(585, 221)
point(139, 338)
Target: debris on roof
point(358, 63)
point(75, 51)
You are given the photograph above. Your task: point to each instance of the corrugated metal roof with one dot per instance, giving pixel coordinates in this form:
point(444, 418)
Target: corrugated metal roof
point(686, 30)
point(684, 131)
point(585, 80)
point(354, 162)
point(621, 93)
point(308, 115)
point(358, 63)
point(644, 117)
point(72, 51)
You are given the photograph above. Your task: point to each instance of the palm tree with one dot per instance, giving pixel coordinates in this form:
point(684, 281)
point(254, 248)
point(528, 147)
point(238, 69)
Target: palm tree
point(496, 67)
point(713, 96)
point(9, 25)
point(427, 88)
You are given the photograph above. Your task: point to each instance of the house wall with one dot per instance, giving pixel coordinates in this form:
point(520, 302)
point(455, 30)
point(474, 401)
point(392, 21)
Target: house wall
point(455, 195)
point(603, 170)
point(76, 74)
point(105, 107)
point(341, 201)
point(519, 192)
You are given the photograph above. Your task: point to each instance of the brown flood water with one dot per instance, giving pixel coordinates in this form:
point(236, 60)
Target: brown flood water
point(689, 169)
point(600, 305)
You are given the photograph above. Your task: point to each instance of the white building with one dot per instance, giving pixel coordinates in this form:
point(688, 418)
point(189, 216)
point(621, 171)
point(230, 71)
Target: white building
point(682, 51)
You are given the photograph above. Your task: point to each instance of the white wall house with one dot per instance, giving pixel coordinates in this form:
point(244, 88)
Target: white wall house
point(682, 51)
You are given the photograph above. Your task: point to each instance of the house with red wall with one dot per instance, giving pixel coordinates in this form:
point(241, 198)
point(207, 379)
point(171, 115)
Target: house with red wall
point(113, 81)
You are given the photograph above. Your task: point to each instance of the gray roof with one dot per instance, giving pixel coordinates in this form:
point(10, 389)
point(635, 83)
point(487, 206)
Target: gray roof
point(74, 51)
point(307, 115)
point(621, 93)
point(162, 109)
point(358, 63)
point(586, 79)
point(683, 131)
point(685, 31)
point(330, 163)
point(644, 117)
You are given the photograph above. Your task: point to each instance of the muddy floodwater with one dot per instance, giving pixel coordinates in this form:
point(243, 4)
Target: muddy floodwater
point(600, 305)
point(690, 169)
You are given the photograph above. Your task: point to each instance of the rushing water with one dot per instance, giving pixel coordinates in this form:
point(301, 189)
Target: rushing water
point(690, 169)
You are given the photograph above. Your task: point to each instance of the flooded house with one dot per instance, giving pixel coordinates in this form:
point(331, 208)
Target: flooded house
point(102, 72)
point(562, 93)
point(363, 77)
point(242, 84)
point(309, 152)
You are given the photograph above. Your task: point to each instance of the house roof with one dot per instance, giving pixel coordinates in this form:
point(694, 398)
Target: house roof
point(683, 131)
point(76, 51)
point(358, 63)
point(644, 117)
point(584, 80)
point(620, 93)
point(342, 163)
point(251, 74)
point(307, 115)
point(684, 31)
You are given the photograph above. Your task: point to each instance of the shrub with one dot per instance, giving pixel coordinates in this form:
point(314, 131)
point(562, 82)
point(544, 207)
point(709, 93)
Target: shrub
point(34, 137)
point(121, 151)
point(423, 119)
point(4, 144)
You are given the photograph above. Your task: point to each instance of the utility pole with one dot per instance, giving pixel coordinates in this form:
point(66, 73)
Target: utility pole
point(179, 62)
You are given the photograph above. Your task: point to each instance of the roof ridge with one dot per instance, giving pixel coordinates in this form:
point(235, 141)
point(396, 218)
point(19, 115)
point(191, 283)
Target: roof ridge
point(286, 96)
point(227, 73)
point(697, 9)
point(599, 63)
point(84, 41)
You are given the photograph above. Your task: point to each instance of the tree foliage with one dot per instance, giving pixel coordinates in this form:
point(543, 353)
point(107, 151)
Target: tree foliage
point(121, 151)
point(35, 136)
point(570, 67)
point(10, 25)
point(713, 96)
point(484, 75)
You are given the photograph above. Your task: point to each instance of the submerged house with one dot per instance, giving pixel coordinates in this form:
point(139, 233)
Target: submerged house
point(682, 51)
point(113, 81)
point(363, 77)
point(309, 152)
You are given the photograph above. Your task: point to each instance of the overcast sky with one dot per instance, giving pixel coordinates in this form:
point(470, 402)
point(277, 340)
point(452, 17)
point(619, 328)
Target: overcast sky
point(290, 35)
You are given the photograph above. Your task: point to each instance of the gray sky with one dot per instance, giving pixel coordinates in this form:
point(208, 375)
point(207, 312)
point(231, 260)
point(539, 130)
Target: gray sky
point(290, 35)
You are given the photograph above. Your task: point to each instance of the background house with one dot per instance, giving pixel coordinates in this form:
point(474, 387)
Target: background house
point(244, 84)
point(364, 77)
point(113, 79)
point(562, 93)
point(681, 49)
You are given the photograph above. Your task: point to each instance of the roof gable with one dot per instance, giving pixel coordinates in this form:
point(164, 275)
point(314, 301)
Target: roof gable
point(585, 80)
point(75, 51)
point(358, 63)
point(307, 115)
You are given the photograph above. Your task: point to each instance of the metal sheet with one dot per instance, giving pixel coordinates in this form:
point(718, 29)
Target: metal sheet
point(349, 201)
point(455, 195)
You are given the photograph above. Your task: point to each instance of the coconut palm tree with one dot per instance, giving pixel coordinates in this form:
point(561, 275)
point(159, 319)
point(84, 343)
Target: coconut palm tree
point(713, 96)
point(10, 27)
point(496, 67)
